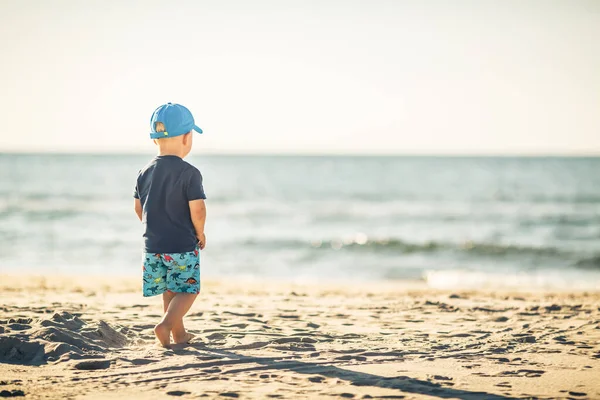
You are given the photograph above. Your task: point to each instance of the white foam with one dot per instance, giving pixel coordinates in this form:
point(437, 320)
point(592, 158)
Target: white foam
point(543, 279)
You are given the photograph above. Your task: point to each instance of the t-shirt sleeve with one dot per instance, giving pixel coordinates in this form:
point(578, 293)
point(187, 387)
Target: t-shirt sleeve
point(195, 190)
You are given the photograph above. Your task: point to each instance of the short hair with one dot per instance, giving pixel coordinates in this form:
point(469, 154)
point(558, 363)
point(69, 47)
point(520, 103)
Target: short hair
point(159, 127)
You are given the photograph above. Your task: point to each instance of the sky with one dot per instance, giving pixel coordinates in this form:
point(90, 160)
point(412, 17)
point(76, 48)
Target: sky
point(304, 77)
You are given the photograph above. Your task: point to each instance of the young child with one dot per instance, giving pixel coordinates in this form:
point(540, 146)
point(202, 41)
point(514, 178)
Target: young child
point(169, 201)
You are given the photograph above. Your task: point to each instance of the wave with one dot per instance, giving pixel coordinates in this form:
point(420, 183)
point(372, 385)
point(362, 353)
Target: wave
point(41, 215)
point(583, 220)
point(394, 246)
point(52, 196)
point(361, 243)
point(589, 263)
point(575, 199)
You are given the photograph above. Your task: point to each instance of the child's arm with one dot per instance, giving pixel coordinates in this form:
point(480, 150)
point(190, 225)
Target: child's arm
point(138, 208)
point(198, 214)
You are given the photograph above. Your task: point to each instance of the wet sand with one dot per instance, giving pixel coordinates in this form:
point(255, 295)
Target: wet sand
point(89, 338)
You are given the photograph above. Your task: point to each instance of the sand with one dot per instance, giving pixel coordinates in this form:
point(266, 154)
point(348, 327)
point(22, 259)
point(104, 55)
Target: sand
point(89, 338)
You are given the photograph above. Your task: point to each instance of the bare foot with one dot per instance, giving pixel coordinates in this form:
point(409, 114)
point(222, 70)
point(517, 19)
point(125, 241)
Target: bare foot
point(163, 334)
point(186, 339)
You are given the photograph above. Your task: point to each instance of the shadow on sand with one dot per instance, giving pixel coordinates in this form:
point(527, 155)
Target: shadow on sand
point(403, 384)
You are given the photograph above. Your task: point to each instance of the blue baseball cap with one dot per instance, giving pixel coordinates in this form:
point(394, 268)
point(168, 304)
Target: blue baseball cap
point(177, 120)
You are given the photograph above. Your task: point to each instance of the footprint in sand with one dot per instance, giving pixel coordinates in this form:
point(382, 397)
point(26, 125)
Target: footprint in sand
point(553, 307)
point(216, 336)
point(248, 315)
point(18, 327)
point(21, 320)
point(196, 314)
point(300, 339)
point(348, 358)
point(294, 347)
point(241, 326)
point(441, 378)
point(142, 361)
point(250, 346)
point(177, 393)
point(528, 373)
point(350, 351)
point(92, 365)
point(256, 320)
point(12, 393)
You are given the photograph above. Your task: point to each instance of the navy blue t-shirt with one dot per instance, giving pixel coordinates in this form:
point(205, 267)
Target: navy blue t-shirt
point(165, 186)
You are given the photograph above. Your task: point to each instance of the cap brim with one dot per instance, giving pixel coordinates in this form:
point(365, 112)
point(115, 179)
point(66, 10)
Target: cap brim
point(197, 129)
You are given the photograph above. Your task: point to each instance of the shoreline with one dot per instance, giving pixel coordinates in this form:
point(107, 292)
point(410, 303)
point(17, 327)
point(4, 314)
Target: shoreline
point(82, 338)
point(131, 284)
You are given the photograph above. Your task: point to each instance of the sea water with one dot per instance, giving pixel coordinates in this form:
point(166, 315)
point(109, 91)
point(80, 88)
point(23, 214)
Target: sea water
point(449, 221)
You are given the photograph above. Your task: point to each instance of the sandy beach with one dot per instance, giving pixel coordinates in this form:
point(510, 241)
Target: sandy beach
point(91, 338)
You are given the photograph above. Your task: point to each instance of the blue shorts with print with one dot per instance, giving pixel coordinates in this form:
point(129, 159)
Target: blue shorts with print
point(175, 272)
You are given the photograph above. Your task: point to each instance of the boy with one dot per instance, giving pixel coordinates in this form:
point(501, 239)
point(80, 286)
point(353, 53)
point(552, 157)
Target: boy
point(169, 201)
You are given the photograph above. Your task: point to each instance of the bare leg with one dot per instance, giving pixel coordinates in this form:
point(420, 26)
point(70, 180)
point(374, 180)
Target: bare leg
point(178, 329)
point(176, 309)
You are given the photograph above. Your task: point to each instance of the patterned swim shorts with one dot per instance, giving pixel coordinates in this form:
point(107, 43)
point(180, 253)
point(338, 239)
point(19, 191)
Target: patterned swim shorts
point(175, 272)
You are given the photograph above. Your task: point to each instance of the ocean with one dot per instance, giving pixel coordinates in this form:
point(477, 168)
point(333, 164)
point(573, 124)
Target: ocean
point(447, 221)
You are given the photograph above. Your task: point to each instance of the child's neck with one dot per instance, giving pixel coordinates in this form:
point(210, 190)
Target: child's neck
point(171, 148)
point(166, 152)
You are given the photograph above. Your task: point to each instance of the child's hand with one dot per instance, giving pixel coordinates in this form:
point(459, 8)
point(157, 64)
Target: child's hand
point(201, 241)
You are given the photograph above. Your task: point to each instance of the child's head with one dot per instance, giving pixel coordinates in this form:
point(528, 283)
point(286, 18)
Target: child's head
point(171, 127)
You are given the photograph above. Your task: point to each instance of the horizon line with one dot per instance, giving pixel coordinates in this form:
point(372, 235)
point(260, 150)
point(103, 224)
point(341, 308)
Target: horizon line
point(310, 154)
